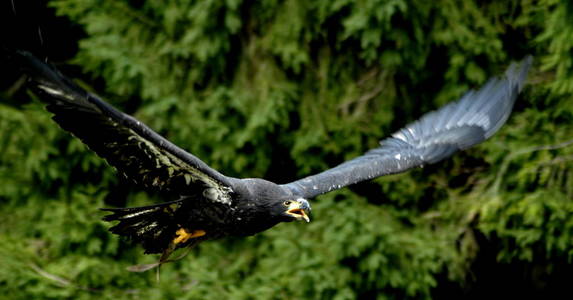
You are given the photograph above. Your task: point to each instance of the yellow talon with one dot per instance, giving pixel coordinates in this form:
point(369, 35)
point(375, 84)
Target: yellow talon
point(183, 235)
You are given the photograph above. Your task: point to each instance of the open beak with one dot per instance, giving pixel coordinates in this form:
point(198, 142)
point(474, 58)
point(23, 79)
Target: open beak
point(299, 209)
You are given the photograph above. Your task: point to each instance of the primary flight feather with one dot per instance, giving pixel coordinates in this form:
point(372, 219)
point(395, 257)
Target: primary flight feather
point(212, 205)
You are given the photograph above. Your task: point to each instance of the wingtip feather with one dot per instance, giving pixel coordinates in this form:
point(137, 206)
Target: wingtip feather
point(517, 71)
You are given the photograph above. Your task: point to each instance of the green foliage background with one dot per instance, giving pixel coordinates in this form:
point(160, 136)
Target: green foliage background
point(282, 89)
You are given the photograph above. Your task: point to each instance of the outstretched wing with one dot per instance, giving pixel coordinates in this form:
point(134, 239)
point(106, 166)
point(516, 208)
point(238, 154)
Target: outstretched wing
point(437, 135)
point(127, 144)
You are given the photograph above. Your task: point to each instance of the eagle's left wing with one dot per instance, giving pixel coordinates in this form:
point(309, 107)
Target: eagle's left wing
point(126, 143)
point(437, 135)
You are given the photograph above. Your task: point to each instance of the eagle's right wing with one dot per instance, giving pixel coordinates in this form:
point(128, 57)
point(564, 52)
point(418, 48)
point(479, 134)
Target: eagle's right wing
point(437, 135)
point(126, 143)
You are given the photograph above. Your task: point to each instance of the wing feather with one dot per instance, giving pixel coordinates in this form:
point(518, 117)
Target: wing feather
point(435, 136)
point(126, 143)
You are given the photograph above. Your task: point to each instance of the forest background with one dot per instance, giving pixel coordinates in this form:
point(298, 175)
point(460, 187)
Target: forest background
point(280, 90)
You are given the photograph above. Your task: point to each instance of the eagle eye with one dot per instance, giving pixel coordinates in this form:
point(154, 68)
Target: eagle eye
point(287, 203)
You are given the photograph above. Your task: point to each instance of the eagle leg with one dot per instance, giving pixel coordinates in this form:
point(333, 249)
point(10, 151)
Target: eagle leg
point(183, 235)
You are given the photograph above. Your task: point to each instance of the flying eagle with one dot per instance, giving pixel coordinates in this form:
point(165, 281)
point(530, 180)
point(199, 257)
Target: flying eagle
point(212, 205)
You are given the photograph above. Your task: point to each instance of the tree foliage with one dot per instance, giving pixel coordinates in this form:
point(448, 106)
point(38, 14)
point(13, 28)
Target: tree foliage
point(283, 89)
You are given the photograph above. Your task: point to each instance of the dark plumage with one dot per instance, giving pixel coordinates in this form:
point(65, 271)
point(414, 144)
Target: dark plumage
point(212, 205)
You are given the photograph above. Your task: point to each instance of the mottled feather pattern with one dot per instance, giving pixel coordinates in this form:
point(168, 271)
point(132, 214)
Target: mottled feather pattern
point(127, 144)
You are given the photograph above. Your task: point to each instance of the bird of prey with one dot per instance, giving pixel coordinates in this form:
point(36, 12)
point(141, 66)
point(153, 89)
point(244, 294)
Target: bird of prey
point(211, 205)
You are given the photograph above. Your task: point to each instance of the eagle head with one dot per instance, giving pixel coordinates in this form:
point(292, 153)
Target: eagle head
point(297, 209)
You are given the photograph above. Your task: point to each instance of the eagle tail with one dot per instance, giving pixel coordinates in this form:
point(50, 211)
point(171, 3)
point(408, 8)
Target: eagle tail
point(153, 226)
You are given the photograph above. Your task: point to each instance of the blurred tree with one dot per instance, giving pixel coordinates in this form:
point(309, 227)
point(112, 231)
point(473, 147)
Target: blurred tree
point(282, 89)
